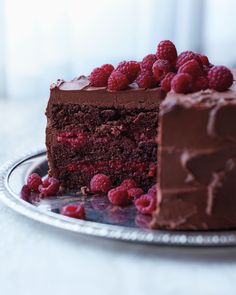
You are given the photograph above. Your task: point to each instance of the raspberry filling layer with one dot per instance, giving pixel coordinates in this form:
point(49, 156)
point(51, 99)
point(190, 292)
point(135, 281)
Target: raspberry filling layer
point(73, 138)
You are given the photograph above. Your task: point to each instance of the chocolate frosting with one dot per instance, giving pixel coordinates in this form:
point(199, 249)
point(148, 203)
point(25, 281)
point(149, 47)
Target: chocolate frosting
point(79, 91)
point(197, 155)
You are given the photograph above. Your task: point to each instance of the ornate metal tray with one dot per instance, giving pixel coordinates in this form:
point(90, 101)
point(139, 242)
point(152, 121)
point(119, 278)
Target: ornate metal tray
point(103, 220)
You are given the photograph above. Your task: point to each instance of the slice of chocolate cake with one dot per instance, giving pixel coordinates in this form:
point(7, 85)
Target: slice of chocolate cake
point(197, 161)
point(92, 130)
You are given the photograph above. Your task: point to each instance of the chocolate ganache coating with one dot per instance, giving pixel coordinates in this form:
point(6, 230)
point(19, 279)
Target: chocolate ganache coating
point(197, 161)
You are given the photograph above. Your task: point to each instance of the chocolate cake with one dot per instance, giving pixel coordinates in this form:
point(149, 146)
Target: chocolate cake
point(197, 161)
point(181, 135)
point(92, 130)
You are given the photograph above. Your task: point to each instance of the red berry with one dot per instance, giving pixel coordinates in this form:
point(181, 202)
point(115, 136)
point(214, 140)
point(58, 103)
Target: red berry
point(100, 183)
point(153, 190)
point(205, 70)
point(191, 67)
point(186, 56)
point(50, 187)
point(148, 62)
point(73, 138)
point(146, 204)
point(220, 78)
point(25, 193)
point(145, 79)
point(34, 181)
point(166, 82)
point(204, 59)
point(117, 81)
point(134, 192)
point(167, 50)
point(128, 183)
point(118, 196)
point(130, 69)
point(182, 83)
point(201, 83)
point(98, 77)
point(160, 68)
point(74, 211)
point(108, 68)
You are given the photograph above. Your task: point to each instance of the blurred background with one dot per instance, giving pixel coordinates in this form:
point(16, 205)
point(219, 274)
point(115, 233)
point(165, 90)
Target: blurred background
point(41, 41)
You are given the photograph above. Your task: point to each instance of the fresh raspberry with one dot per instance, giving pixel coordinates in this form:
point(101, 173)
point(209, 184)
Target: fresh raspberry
point(74, 211)
point(117, 81)
point(205, 70)
point(34, 181)
point(130, 69)
point(108, 68)
point(47, 181)
point(201, 83)
point(134, 193)
point(160, 68)
point(145, 79)
point(166, 82)
point(100, 183)
point(220, 78)
point(118, 196)
point(186, 56)
point(128, 183)
point(204, 59)
point(146, 204)
point(25, 193)
point(50, 187)
point(191, 67)
point(182, 83)
point(148, 62)
point(167, 50)
point(98, 77)
point(153, 190)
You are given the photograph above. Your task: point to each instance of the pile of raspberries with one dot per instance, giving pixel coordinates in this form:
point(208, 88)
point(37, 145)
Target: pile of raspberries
point(184, 73)
point(127, 193)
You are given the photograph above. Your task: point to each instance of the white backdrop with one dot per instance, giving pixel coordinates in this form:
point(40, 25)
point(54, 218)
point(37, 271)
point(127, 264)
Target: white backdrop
point(41, 41)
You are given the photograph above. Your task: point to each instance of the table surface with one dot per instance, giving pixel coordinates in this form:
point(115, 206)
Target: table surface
point(38, 259)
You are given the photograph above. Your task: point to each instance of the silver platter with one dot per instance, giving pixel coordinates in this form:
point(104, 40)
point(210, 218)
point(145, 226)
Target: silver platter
point(103, 220)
